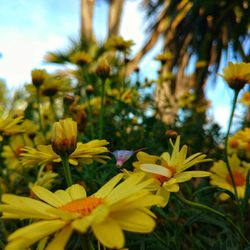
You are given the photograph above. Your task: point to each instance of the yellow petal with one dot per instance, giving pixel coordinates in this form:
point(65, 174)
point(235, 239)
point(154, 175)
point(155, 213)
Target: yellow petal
point(165, 194)
point(109, 234)
point(196, 174)
point(63, 196)
point(76, 192)
point(134, 221)
point(60, 239)
point(47, 196)
point(108, 187)
point(83, 224)
point(36, 231)
point(171, 188)
point(17, 244)
point(156, 169)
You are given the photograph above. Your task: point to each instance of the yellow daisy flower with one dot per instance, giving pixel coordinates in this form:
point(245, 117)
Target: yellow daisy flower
point(245, 99)
point(81, 58)
point(112, 209)
point(44, 179)
point(118, 43)
point(239, 143)
point(221, 178)
point(169, 170)
point(10, 126)
point(84, 153)
point(237, 75)
point(11, 152)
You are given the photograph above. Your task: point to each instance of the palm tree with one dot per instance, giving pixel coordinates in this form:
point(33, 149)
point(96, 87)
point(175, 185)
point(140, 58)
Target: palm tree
point(204, 30)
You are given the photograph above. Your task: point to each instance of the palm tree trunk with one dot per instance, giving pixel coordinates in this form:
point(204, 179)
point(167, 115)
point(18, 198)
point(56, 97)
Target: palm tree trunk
point(87, 9)
point(115, 12)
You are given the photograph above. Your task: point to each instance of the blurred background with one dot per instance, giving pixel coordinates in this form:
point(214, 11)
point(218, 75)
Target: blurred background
point(199, 37)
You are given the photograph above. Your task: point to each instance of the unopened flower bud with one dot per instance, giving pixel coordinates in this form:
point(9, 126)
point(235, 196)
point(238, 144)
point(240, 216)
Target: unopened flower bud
point(64, 137)
point(89, 89)
point(38, 76)
point(68, 99)
point(103, 69)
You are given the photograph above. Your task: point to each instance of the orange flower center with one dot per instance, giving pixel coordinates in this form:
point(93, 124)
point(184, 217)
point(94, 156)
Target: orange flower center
point(239, 179)
point(83, 206)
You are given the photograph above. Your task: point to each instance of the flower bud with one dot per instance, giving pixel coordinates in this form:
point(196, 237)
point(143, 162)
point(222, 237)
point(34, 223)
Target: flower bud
point(38, 76)
point(103, 69)
point(64, 137)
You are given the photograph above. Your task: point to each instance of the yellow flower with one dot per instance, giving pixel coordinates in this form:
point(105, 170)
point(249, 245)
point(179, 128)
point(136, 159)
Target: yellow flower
point(118, 43)
point(84, 153)
point(44, 179)
point(169, 170)
point(186, 100)
point(239, 143)
point(64, 136)
point(53, 86)
point(112, 209)
point(12, 152)
point(245, 99)
point(10, 126)
point(103, 69)
point(80, 58)
point(165, 57)
point(237, 75)
point(38, 77)
point(221, 178)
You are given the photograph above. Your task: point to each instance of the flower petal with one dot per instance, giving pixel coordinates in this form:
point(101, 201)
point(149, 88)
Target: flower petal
point(76, 192)
point(156, 169)
point(60, 239)
point(109, 234)
point(134, 221)
point(47, 196)
point(36, 231)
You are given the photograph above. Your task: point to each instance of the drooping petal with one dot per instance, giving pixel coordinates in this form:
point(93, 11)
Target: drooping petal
point(60, 240)
point(109, 234)
point(165, 194)
point(36, 231)
point(134, 221)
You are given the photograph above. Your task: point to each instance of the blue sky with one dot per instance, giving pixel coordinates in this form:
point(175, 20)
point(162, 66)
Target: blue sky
point(31, 28)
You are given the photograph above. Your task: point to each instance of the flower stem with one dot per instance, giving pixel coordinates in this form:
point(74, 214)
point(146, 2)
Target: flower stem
point(102, 108)
point(38, 108)
point(236, 93)
point(67, 172)
point(86, 242)
point(201, 206)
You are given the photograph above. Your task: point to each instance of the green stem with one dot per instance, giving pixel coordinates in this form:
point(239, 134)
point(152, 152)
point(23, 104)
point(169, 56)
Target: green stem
point(236, 93)
point(53, 108)
point(102, 108)
point(86, 242)
point(201, 206)
point(38, 108)
point(67, 172)
point(92, 131)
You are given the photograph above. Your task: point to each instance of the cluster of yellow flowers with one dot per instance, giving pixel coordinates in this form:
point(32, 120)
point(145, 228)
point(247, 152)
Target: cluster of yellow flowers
point(116, 206)
point(124, 202)
point(239, 143)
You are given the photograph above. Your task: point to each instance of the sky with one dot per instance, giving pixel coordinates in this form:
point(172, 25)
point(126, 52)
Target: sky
point(29, 29)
